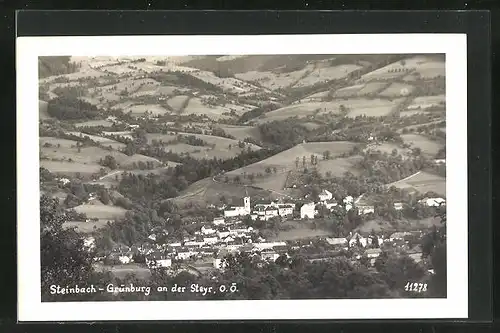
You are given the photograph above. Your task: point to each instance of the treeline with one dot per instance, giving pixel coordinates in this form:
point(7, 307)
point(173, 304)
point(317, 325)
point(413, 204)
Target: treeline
point(56, 65)
point(65, 108)
point(258, 111)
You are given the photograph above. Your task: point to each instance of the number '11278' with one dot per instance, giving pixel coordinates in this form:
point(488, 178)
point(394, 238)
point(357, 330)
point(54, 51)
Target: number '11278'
point(416, 287)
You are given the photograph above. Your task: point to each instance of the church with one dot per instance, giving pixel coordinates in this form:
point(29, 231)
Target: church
point(239, 210)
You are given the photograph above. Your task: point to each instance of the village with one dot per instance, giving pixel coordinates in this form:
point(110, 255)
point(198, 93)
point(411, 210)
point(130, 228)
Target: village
point(229, 234)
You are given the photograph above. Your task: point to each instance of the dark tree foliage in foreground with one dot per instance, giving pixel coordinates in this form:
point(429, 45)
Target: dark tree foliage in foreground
point(64, 260)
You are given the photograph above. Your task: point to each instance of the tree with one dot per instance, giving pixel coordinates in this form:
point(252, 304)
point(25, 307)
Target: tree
point(312, 159)
point(297, 161)
point(64, 260)
point(304, 161)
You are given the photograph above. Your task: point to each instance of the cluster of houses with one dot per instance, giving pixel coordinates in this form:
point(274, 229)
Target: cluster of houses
point(310, 210)
point(114, 120)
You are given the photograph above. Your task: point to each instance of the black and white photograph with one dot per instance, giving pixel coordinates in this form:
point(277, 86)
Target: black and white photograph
point(303, 176)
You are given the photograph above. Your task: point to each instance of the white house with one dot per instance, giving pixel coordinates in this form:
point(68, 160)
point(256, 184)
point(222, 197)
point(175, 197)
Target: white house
point(89, 242)
point(373, 253)
point(348, 202)
point(219, 221)
point(240, 230)
point(285, 210)
point(166, 262)
point(175, 244)
point(353, 241)
point(124, 259)
point(219, 263)
point(433, 202)
point(398, 206)
point(210, 240)
point(239, 210)
point(64, 181)
point(308, 211)
point(207, 230)
point(325, 195)
point(365, 209)
point(330, 204)
point(269, 255)
point(338, 242)
point(266, 246)
point(271, 212)
point(194, 243)
point(185, 254)
point(440, 161)
point(223, 234)
point(399, 236)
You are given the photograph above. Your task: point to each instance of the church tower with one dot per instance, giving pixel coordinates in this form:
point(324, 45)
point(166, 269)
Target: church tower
point(246, 202)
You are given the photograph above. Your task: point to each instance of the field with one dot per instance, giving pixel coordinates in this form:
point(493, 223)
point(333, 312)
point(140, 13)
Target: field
point(177, 102)
point(322, 72)
point(198, 107)
point(141, 109)
point(64, 143)
point(371, 107)
point(274, 81)
point(91, 123)
point(121, 271)
point(359, 90)
point(91, 156)
point(242, 132)
point(285, 160)
point(101, 211)
point(125, 134)
point(302, 110)
point(85, 227)
point(104, 141)
point(397, 89)
point(317, 97)
point(70, 168)
point(387, 147)
point(426, 102)
point(338, 166)
point(426, 66)
point(227, 84)
point(422, 182)
point(300, 230)
point(427, 146)
point(208, 191)
point(404, 225)
point(42, 106)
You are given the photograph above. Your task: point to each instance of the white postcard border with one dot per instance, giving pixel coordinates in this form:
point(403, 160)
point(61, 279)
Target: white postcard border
point(30, 307)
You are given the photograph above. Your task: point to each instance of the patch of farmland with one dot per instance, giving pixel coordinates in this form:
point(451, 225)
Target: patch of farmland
point(360, 90)
point(93, 123)
point(371, 107)
point(122, 106)
point(148, 67)
point(274, 182)
point(125, 134)
point(302, 110)
point(300, 232)
point(86, 73)
point(242, 132)
point(177, 102)
point(120, 69)
point(70, 168)
point(42, 107)
point(129, 85)
point(388, 147)
point(317, 97)
point(104, 141)
point(122, 271)
point(321, 73)
point(379, 225)
point(427, 146)
point(57, 141)
point(159, 136)
point(421, 64)
point(397, 89)
point(158, 91)
point(197, 107)
point(85, 227)
point(227, 84)
point(229, 57)
point(413, 112)
point(426, 102)
point(285, 160)
point(141, 109)
point(220, 141)
point(272, 80)
point(338, 166)
point(208, 191)
point(92, 155)
point(101, 211)
point(422, 182)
